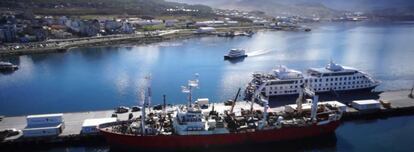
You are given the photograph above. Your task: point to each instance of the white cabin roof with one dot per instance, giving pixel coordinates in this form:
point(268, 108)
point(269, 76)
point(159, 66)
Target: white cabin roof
point(282, 72)
point(333, 67)
point(45, 115)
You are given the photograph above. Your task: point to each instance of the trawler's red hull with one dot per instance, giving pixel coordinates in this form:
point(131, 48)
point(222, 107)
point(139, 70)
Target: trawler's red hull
point(194, 141)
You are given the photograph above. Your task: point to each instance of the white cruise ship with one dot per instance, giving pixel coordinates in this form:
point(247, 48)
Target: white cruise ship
point(334, 77)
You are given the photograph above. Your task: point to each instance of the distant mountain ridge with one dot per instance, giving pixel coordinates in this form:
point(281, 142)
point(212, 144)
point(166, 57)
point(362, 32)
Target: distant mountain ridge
point(306, 7)
point(274, 8)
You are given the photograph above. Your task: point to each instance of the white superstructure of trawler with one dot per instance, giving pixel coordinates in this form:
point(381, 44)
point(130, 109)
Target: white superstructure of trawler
point(235, 53)
point(333, 77)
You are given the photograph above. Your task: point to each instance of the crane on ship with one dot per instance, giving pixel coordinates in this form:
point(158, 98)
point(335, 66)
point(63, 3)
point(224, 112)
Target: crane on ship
point(306, 90)
point(265, 102)
point(257, 95)
point(411, 93)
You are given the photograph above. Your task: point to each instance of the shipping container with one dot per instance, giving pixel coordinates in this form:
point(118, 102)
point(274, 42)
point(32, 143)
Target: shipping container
point(366, 104)
point(43, 131)
point(89, 126)
point(308, 105)
point(33, 120)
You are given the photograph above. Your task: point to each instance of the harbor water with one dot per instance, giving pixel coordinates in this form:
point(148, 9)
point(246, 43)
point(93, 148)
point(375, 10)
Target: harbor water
point(97, 78)
point(84, 79)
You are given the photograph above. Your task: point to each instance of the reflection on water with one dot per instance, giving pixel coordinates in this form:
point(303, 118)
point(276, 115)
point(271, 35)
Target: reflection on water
point(104, 77)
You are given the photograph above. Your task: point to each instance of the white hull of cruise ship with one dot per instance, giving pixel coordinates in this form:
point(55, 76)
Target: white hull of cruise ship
point(333, 78)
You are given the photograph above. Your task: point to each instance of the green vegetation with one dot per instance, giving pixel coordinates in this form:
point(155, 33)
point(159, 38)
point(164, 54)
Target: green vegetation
point(153, 27)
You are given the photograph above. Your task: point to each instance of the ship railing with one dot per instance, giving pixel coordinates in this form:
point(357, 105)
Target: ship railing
point(106, 125)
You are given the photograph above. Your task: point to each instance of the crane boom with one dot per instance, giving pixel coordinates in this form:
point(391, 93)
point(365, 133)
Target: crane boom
point(234, 102)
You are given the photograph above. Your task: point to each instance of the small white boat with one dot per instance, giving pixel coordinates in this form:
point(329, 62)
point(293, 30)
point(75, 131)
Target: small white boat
point(7, 66)
point(235, 53)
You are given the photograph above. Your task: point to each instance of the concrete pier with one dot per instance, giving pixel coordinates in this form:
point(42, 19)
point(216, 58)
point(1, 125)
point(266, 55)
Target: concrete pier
point(400, 104)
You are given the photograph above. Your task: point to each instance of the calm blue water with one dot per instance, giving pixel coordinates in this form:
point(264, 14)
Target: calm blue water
point(86, 79)
point(105, 77)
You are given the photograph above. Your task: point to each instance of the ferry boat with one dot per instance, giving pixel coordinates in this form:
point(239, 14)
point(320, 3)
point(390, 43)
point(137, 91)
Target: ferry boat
point(333, 77)
point(235, 53)
point(7, 66)
point(191, 126)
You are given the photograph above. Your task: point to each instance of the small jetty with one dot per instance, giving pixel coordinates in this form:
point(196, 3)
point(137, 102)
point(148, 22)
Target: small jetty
point(388, 103)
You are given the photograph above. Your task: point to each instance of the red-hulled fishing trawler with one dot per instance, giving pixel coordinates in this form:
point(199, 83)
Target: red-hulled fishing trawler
point(194, 125)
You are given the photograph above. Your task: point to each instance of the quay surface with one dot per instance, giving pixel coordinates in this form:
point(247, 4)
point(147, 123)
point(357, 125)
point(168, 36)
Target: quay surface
point(400, 104)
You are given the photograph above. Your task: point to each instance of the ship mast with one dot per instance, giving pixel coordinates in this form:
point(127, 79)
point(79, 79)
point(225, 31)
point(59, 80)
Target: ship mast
point(148, 79)
point(189, 88)
point(146, 100)
point(411, 93)
point(142, 94)
point(266, 107)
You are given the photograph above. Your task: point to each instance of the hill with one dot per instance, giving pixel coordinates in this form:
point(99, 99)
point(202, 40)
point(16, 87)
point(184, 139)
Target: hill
point(308, 7)
point(107, 7)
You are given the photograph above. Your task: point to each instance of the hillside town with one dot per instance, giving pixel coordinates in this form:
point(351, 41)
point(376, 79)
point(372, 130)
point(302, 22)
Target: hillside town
point(22, 29)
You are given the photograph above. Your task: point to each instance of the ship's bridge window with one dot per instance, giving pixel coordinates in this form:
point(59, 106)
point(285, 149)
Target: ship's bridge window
point(327, 80)
point(336, 79)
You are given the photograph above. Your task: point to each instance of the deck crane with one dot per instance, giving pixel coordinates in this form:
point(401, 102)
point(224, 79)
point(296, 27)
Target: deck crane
point(306, 90)
point(256, 93)
point(265, 102)
point(234, 102)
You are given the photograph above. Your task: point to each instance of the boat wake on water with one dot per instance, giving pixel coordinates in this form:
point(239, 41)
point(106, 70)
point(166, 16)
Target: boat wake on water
point(258, 52)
